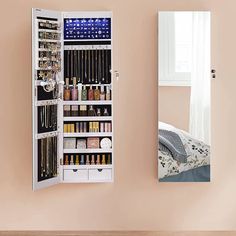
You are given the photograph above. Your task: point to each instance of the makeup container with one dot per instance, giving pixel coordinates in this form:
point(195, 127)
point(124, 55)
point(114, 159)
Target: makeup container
point(90, 93)
point(83, 110)
point(91, 111)
point(87, 160)
point(74, 110)
point(84, 94)
point(103, 159)
point(102, 93)
point(74, 91)
point(108, 92)
point(98, 160)
point(96, 94)
point(105, 113)
point(82, 160)
point(72, 160)
point(67, 90)
point(92, 160)
point(77, 160)
point(67, 110)
point(79, 91)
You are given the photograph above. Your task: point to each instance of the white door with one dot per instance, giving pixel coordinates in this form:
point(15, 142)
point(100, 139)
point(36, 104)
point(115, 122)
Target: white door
point(46, 77)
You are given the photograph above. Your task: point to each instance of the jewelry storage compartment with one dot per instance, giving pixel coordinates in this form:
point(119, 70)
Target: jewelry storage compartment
point(75, 175)
point(100, 174)
point(72, 97)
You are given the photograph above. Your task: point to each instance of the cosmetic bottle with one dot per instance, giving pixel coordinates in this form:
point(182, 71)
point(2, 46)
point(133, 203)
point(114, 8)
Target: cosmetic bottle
point(72, 128)
point(99, 112)
point(109, 159)
point(74, 91)
point(85, 127)
point(84, 94)
point(77, 159)
point(79, 91)
point(102, 127)
point(82, 160)
point(105, 113)
point(92, 160)
point(81, 127)
point(65, 130)
point(102, 93)
point(98, 160)
point(72, 160)
point(108, 92)
point(96, 94)
point(67, 90)
point(83, 110)
point(66, 160)
point(74, 110)
point(77, 127)
point(67, 110)
point(90, 127)
point(103, 159)
point(91, 111)
point(90, 93)
point(87, 160)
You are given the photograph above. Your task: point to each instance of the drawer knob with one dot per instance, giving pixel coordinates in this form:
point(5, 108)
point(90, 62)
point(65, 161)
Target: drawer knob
point(100, 170)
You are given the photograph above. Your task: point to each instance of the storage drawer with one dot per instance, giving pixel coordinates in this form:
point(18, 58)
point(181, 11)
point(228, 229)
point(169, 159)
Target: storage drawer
point(100, 174)
point(75, 175)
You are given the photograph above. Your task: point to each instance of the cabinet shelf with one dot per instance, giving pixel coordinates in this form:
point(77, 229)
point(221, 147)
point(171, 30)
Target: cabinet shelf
point(97, 134)
point(91, 102)
point(88, 118)
point(88, 150)
point(82, 167)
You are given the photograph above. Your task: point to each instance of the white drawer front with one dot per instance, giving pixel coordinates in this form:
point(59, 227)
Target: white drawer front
point(75, 175)
point(100, 174)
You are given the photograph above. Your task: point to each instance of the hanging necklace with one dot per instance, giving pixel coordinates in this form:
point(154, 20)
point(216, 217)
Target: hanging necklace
point(42, 113)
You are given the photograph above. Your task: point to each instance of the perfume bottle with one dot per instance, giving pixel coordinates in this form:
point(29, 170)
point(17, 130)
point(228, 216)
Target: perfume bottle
point(102, 93)
point(108, 92)
point(103, 159)
point(87, 160)
point(90, 93)
point(79, 91)
point(96, 94)
point(84, 94)
point(74, 91)
point(67, 90)
point(105, 113)
point(91, 111)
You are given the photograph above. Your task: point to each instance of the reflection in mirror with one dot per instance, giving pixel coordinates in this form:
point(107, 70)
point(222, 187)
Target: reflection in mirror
point(184, 97)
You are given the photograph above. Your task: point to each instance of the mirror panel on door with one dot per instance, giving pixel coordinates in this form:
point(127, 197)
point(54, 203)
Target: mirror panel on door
point(184, 104)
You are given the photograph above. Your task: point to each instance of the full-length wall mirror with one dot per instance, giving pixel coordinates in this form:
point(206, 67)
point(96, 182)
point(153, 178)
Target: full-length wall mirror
point(184, 104)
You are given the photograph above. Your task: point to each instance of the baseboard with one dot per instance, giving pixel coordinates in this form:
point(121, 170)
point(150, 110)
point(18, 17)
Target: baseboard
point(117, 233)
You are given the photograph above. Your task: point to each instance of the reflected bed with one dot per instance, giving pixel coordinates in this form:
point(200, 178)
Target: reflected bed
point(181, 158)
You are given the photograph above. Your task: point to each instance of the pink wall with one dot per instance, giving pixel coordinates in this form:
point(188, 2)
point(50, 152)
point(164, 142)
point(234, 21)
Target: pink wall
point(136, 201)
point(173, 106)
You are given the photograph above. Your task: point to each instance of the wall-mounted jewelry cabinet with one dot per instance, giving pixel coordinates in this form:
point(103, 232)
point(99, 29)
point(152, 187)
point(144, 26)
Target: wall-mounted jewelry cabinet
point(72, 97)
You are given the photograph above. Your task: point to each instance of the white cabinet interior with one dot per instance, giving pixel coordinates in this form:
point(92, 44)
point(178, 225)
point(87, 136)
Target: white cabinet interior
point(72, 97)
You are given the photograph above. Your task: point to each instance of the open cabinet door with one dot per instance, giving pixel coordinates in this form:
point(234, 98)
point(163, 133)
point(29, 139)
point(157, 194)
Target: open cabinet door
point(46, 94)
